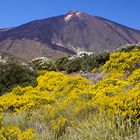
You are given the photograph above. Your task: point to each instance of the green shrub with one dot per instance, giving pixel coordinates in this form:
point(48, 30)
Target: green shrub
point(61, 63)
point(12, 74)
point(128, 48)
point(40, 64)
point(73, 65)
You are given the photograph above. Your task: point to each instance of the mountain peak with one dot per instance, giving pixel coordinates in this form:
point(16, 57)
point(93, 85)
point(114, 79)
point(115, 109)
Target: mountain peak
point(64, 35)
point(71, 14)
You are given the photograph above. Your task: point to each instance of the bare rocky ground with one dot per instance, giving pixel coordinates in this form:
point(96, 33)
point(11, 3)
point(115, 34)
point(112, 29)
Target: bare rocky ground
point(93, 76)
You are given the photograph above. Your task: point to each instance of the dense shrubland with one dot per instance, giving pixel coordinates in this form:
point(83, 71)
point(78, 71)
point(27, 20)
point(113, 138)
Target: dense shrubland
point(72, 107)
point(14, 73)
point(73, 64)
point(78, 63)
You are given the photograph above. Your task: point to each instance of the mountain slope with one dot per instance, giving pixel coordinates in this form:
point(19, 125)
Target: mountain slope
point(66, 34)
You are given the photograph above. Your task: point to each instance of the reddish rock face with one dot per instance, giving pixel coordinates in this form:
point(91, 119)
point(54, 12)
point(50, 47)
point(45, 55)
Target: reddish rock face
point(65, 35)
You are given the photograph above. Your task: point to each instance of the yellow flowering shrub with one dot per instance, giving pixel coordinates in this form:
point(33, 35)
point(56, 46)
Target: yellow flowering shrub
point(14, 133)
point(1, 116)
point(76, 94)
point(72, 85)
point(27, 135)
point(58, 126)
point(134, 78)
point(123, 62)
point(25, 98)
point(50, 80)
point(64, 98)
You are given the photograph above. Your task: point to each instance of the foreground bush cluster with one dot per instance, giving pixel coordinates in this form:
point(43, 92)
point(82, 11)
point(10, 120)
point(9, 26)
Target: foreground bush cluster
point(13, 73)
point(72, 107)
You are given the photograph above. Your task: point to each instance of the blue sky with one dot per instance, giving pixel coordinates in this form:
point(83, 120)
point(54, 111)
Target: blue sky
point(17, 12)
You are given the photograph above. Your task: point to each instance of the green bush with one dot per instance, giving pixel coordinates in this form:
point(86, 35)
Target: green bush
point(73, 65)
point(42, 65)
point(128, 48)
point(13, 73)
point(88, 62)
point(61, 63)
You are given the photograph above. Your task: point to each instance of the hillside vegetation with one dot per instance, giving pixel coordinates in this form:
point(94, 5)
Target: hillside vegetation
point(76, 63)
point(69, 107)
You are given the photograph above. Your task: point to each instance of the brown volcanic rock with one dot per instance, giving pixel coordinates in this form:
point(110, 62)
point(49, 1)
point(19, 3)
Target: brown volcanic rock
point(28, 49)
point(65, 34)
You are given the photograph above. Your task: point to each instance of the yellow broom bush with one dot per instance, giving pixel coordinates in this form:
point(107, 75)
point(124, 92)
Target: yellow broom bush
point(63, 99)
